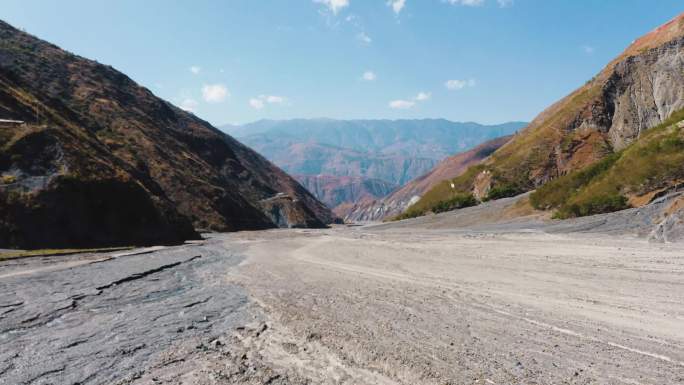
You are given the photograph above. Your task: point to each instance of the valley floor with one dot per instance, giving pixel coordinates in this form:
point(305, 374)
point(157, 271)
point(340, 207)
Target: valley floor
point(361, 305)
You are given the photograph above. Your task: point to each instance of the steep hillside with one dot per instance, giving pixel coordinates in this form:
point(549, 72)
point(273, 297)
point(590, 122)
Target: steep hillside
point(102, 161)
point(395, 151)
point(341, 192)
point(645, 170)
point(401, 199)
point(638, 90)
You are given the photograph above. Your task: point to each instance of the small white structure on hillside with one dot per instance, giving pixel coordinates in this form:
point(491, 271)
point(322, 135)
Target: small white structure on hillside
point(11, 123)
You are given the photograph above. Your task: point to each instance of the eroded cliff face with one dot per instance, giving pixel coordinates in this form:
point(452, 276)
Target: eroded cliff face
point(643, 91)
point(633, 95)
point(638, 90)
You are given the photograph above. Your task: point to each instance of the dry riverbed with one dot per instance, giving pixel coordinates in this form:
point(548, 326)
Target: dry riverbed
point(365, 305)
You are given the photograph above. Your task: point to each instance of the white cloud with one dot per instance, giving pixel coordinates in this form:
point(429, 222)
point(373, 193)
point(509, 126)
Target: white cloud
point(274, 99)
point(364, 38)
point(195, 70)
point(423, 96)
point(334, 5)
point(369, 76)
point(504, 3)
point(588, 49)
point(455, 84)
point(214, 93)
point(468, 3)
point(260, 101)
point(189, 105)
point(397, 5)
point(257, 104)
point(401, 104)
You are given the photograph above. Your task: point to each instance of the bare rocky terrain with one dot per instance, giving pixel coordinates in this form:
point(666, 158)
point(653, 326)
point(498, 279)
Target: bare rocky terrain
point(415, 302)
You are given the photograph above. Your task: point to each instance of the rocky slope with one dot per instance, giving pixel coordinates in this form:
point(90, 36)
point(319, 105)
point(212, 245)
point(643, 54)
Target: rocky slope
point(638, 90)
point(342, 192)
point(395, 151)
point(648, 168)
point(401, 199)
point(102, 161)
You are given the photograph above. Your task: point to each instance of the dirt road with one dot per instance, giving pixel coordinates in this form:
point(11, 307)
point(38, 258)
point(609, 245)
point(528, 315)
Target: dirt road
point(383, 305)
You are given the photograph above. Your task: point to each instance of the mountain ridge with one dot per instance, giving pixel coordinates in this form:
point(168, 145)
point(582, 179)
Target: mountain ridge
point(637, 90)
point(395, 151)
point(96, 127)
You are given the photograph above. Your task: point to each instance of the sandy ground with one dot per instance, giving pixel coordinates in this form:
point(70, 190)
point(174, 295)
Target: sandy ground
point(393, 304)
point(524, 307)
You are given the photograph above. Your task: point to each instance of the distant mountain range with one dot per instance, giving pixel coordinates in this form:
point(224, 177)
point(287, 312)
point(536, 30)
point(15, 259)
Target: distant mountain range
point(362, 151)
point(399, 200)
point(90, 158)
point(311, 141)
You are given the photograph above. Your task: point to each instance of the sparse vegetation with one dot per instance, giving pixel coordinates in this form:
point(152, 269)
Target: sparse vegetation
point(504, 190)
point(458, 201)
point(653, 162)
point(443, 192)
point(511, 165)
point(557, 192)
point(593, 205)
point(8, 179)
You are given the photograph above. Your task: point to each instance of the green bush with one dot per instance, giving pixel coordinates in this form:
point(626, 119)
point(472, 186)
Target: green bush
point(407, 215)
point(503, 191)
point(557, 192)
point(458, 201)
point(595, 205)
point(444, 190)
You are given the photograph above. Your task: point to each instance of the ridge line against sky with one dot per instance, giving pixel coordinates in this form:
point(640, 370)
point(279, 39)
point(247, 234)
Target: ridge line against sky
point(487, 61)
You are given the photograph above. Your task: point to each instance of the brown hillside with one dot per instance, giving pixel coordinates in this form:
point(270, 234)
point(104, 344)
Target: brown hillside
point(638, 90)
point(97, 148)
point(340, 193)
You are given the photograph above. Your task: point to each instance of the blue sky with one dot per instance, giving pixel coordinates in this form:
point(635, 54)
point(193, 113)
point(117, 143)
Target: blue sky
point(237, 61)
